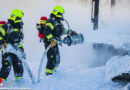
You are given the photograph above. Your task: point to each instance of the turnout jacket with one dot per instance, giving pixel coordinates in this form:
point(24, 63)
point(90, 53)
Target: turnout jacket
point(3, 35)
point(54, 29)
point(11, 33)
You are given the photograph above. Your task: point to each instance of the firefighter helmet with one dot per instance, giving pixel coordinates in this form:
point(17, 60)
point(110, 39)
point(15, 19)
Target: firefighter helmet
point(58, 11)
point(16, 15)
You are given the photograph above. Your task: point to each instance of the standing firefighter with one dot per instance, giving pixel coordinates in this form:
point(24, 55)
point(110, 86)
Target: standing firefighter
point(2, 35)
point(53, 31)
point(41, 27)
point(11, 37)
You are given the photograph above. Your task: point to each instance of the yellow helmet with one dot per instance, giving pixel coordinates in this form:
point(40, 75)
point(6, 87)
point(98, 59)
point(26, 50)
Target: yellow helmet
point(16, 15)
point(58, 11)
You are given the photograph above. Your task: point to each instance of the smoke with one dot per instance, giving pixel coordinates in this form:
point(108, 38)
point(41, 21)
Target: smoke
point(77, 13)
point(7, 6)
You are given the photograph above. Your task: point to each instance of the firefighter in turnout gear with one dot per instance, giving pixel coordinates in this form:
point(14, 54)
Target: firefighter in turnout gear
point(11, 34)
point(41, 28)
point(2, 35)
point(53, 31)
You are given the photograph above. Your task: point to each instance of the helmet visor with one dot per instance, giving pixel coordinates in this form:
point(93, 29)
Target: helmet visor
point(18, 20)
point(59, 14)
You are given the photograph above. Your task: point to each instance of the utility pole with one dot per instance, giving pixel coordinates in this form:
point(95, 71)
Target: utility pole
point(112, 3)
point(95, 14)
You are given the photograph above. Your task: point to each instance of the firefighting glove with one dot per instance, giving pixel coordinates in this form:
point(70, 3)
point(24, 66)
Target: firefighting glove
point(21, 49)
point(41, 40)
point(38, 26)
point(71, 33)
point(53, 43)
point(5, 45)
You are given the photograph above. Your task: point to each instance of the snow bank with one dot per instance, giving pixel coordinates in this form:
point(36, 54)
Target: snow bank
point(116, 66)
point(127, 87)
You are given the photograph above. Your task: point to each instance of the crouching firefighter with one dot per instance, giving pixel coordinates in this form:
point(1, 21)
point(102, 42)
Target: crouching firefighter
point(11, 37)
point(53, 31)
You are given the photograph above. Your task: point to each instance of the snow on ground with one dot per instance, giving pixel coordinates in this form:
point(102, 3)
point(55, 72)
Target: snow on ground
point(77, 79)
point(116, 66)
point(73, 72)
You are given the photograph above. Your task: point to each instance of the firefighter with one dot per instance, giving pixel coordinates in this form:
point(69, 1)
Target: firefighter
point(11, 34)
point(41, 27)
point(53, 31)
point(2, 35)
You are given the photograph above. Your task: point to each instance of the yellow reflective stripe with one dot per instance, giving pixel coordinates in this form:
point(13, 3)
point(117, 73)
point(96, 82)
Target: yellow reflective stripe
point(2, 31)
point(20, 45)
point(49, 36)
point(1, 24)
point(17, 77)
point(1, 38)
point(58, 16)
point(16, 29)
point(49, 71)
point(42, 21)
point(17, 21)
point(3, 79)
point(50, 25)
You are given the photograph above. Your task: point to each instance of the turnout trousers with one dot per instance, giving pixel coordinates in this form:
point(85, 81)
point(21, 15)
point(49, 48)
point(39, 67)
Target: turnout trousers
point(53, 58)
point(8, 60)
